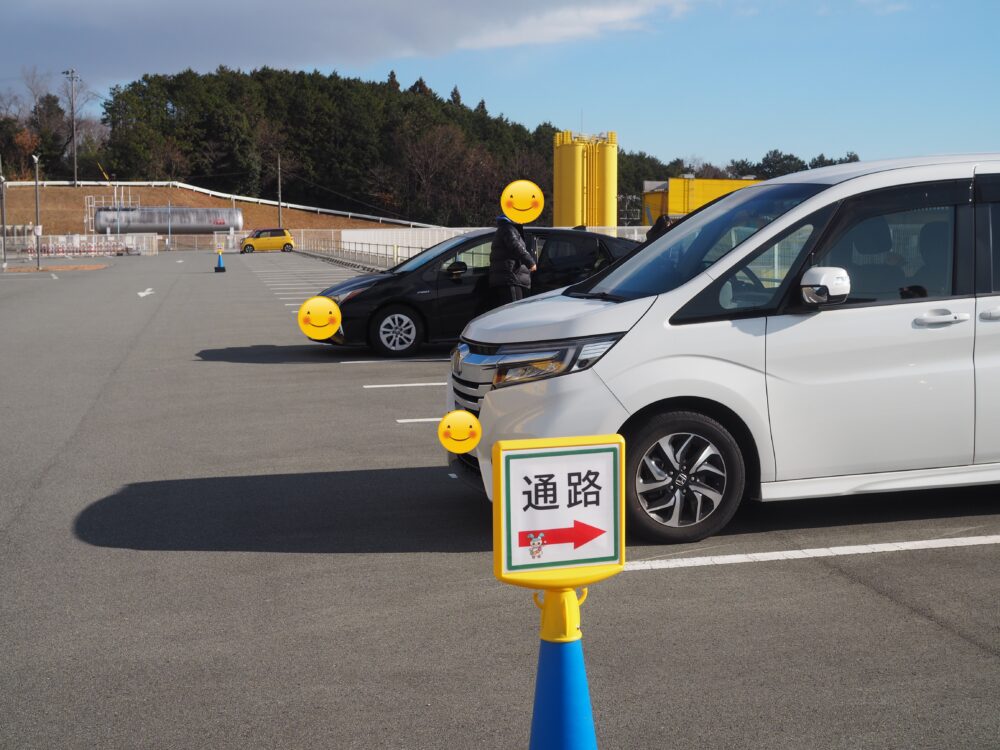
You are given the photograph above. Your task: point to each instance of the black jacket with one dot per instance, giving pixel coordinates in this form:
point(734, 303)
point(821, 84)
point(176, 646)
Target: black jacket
point(510, 259)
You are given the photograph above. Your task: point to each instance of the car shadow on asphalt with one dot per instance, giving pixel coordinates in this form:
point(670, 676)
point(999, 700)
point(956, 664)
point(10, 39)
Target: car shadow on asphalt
point(388, 510)
point(271, 354)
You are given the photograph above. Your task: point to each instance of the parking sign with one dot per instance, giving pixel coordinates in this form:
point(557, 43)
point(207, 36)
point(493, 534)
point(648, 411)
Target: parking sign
point(558, 518)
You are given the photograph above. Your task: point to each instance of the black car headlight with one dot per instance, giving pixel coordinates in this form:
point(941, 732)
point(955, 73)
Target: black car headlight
point(523, 363)
point(341, 298)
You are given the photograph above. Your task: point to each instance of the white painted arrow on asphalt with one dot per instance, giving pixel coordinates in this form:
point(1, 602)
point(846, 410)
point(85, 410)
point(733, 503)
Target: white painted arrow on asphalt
point(149, 290)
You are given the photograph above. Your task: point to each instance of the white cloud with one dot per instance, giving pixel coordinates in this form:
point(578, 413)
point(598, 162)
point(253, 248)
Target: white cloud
point(110, 41)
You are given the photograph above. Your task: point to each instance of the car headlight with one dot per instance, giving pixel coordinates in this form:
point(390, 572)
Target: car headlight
point(340, 299)
point(523, 363)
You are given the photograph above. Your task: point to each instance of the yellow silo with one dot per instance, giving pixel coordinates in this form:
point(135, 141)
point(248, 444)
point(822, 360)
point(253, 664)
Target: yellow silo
point(606, 152)
point(585, 184)
point(568, 197)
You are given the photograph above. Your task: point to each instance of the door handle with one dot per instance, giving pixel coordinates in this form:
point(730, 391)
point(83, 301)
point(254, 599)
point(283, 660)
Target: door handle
point(990, 315)
point(941, 318)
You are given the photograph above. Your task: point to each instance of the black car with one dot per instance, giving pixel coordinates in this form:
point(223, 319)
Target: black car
point(431, 296)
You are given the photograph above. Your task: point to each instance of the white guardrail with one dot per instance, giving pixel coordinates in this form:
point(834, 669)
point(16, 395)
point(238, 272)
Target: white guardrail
point(82, 245)
point(384, 248)
point(225, 196)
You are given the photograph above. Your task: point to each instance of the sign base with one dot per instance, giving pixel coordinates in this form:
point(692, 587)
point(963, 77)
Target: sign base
point(562, 718)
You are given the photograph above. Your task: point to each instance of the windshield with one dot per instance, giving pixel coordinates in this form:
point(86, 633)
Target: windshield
point(412, 264)
point(690, 248)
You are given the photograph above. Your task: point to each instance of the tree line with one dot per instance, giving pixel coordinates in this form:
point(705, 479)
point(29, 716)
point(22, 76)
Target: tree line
point(343, 143)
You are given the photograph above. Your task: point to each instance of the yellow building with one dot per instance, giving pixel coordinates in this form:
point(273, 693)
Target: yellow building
point(682, 195)
point(585, 184)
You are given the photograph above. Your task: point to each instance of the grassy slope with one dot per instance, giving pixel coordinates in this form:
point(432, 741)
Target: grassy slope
point(62, 208)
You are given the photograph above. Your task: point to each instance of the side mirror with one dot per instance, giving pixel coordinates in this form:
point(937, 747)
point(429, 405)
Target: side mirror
point(456, 269)
point(824, 285)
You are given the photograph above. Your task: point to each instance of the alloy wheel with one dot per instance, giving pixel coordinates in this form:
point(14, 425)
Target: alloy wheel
point(397, 332)
point(681, 479)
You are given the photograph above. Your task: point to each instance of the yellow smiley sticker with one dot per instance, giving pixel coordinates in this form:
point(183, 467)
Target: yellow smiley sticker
point(319, 318)
point(522, 201)
point(459, 431)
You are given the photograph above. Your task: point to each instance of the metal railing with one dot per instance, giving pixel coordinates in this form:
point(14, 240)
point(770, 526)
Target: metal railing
point(368, 255)
point(82, 245)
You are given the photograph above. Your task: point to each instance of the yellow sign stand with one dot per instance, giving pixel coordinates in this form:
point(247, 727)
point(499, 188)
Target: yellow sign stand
point(559, 524)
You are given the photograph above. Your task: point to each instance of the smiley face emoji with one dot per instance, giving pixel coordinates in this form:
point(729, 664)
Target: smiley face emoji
point(522, 201)
point(459, 431)
point(319, 318)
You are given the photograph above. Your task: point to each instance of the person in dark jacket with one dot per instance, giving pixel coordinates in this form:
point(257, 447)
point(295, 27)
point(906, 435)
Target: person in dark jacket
point(511, 263)
point(660, 227)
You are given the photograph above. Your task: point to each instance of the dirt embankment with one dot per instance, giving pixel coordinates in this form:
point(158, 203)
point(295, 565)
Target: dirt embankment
point(63, 208)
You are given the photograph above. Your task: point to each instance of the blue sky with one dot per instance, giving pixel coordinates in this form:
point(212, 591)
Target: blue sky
point(708, 79)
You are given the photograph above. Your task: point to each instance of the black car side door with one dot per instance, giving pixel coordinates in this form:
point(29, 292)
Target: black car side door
point(463, 288)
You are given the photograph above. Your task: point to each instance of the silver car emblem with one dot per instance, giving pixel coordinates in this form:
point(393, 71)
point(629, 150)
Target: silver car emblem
point(457, 356)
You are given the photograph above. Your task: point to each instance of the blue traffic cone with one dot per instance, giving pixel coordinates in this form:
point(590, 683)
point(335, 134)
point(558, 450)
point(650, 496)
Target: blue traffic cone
point(562, 717)
point(220, 266)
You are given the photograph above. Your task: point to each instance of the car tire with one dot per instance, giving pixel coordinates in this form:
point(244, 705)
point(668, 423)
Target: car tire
point(248, 249)
point(286, 249)
point(396, 331)
point(685, 477)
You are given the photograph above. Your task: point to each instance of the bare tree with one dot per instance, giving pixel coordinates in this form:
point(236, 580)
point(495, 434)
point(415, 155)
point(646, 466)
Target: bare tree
point(10, 104)
point(36, 82)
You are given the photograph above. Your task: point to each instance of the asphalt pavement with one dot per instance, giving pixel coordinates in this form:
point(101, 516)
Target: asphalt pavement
point(213, 534)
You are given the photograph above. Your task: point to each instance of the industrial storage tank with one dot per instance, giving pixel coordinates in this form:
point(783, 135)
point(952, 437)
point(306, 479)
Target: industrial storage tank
point(166, 220)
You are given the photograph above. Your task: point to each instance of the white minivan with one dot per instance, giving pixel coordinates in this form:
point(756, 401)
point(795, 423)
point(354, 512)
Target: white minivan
point(831, 332)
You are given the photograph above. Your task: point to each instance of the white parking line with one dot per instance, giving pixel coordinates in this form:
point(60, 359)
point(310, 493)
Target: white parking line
point(425, 419)
point(401, 385)
point(799, 554)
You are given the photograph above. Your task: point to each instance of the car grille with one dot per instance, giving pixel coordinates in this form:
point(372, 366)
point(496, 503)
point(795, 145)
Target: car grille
point(472, 369)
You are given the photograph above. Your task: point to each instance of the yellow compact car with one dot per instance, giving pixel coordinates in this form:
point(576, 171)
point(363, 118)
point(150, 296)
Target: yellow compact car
point(263, 240)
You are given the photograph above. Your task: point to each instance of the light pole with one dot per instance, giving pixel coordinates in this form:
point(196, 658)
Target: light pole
point(38, 220)
point(279, 192)
point(73, 78)
point(3, 216)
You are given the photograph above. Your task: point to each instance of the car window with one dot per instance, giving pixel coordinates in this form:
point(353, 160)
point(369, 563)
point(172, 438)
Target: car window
point(618, 247)
point(896, 255)
point(758, 282)
point(561, 254)
point(692, 246)
point(477, 258)
point(993, 226)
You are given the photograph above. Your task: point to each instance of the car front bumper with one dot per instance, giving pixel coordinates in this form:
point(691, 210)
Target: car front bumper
point(564, 406)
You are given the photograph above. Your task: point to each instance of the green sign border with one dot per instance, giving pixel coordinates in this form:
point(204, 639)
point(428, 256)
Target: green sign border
point(616, 461)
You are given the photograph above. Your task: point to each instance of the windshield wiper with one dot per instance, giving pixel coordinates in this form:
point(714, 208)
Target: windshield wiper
point(608, 296)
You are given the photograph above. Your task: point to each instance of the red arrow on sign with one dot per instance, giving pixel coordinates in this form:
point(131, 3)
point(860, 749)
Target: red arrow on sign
point(579, 534)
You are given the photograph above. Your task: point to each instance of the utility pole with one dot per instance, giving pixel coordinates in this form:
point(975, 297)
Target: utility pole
point(3, 215)
point(279, 192)
point(73, 78)
point(38, 220)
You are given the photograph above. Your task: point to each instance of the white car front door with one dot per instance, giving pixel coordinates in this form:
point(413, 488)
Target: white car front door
point(885, 381)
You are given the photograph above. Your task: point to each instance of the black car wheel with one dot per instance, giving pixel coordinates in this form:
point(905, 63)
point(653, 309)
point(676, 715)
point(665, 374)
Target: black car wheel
point(396, 331)
point(685, 477)
point(248, 249)
point(286, 249)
